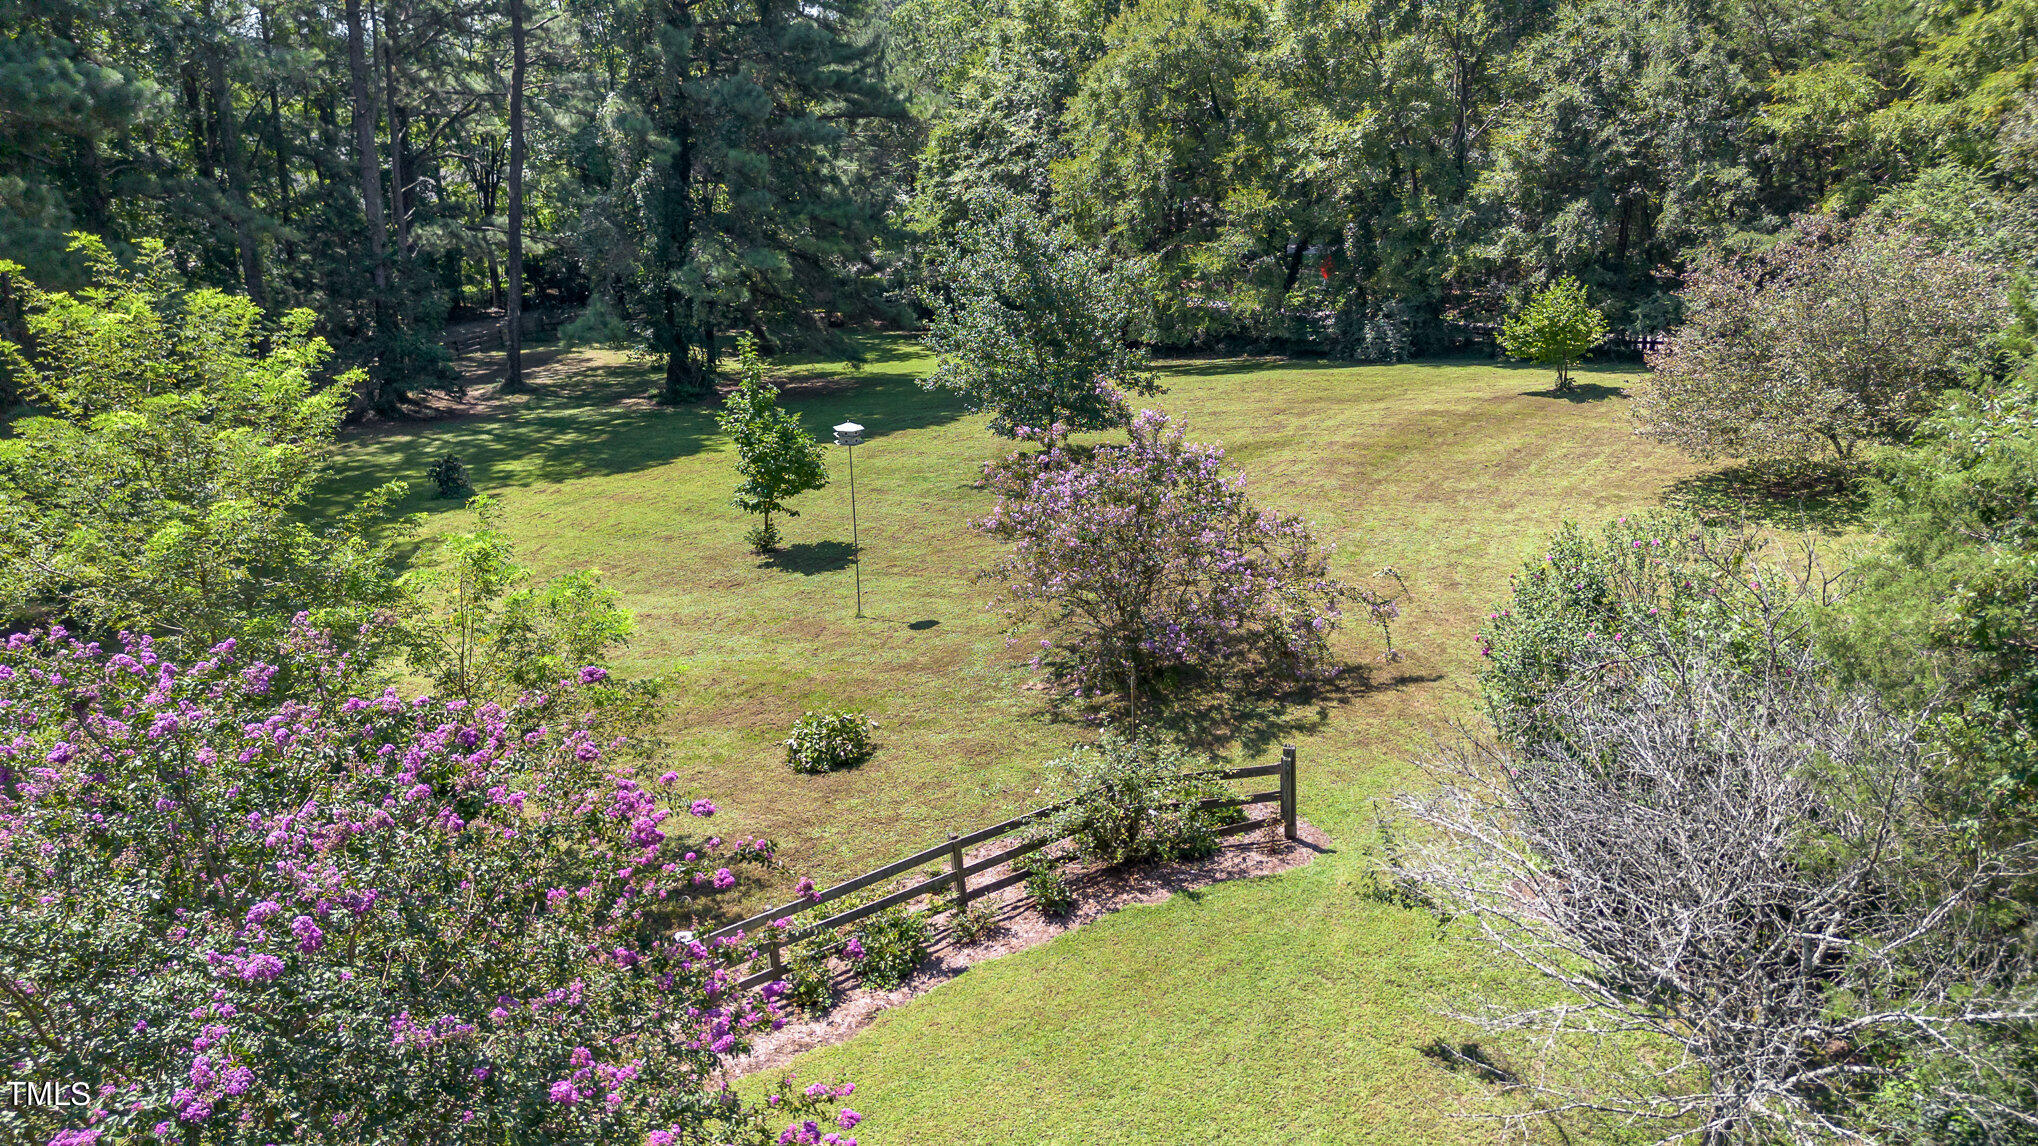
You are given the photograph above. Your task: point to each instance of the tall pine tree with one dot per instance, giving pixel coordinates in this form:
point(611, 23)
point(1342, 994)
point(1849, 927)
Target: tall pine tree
point(729, 194)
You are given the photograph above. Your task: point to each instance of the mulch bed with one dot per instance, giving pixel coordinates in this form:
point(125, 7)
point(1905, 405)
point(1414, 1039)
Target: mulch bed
point(1098, 893)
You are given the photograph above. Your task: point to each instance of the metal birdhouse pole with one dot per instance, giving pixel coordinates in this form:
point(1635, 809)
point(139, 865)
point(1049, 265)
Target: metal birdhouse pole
point(848, 434)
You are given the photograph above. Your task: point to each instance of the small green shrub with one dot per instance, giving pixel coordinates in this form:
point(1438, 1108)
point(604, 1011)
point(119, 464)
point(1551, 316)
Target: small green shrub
point(1588, 608)
point(1133, 801)
point(449, 475)
point(1046, 883)
point(810, 984)
point(885, 947)
point(970, 926)
point(764, 538)
point(828, 741)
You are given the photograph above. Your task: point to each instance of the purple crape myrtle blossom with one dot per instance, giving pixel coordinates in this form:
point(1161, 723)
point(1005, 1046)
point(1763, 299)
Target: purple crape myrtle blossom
point(1147, 557)
point(252, 900)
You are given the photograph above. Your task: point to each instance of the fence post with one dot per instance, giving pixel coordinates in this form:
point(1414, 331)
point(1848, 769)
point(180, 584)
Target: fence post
point(777, 967)
point(961, 882)
point(1288, 790)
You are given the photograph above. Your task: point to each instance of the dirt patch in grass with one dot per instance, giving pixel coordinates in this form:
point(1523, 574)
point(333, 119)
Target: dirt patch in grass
point(1259, 851)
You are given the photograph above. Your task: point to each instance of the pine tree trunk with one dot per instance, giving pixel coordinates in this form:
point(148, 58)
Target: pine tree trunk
point(277, 142)
point(513, 308)
point(371, 176)
point(386, 43)
point(364, 144)
point(229, 132)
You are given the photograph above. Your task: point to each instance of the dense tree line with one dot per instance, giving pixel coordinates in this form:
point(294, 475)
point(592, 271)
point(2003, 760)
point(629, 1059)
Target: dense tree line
point(1310, 169)
point(395, 164)
point(1352, 175)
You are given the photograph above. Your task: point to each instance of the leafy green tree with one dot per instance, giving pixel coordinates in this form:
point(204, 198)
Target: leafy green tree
point(75, 86)
point(777, 458)
point(1947, 609)
point(1826, 135)
point(1556, 328)
point(1036, 327)
point(725, 145)
point(1974, 76)
point(1622, 145)
point(997, 117)
point(1833, 337)
point(162, 489)
point(474, 622)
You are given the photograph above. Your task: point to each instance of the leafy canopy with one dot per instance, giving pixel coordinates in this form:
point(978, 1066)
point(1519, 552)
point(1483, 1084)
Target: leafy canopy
point(272, 905)
point(160, 492)
point(777, 458)
point(1836, 336)
point(1147, 560)
point(1035, 327)
point(1556, 328)
point(1955, 588)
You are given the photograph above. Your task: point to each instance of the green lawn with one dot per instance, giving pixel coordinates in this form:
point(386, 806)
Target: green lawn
point(1293, 1008)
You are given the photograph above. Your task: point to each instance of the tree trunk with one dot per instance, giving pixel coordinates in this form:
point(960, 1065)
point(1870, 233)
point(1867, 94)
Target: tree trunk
point(513, 305)
point(229, 131)
point(399, 213)
point(688, 340)
point(364, 145)
point(1294, 270)
point(277, 142)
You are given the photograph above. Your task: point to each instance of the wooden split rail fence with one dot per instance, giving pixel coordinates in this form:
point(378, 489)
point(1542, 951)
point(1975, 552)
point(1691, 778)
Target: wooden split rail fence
point(961, 868)
point(495, 335)
point(1486, 335)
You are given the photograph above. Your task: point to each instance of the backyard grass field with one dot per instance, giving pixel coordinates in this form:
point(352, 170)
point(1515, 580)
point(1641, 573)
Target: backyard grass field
point(1290, 1008)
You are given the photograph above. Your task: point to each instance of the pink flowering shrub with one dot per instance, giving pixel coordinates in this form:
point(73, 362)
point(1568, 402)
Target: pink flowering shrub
point(1147, 558)
point(246, 904)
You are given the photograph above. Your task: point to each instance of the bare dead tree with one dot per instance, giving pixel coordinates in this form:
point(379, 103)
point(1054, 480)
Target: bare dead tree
point(1734, 875)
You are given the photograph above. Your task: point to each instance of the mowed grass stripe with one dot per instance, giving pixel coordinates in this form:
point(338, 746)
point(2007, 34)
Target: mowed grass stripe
point(1285, 1009)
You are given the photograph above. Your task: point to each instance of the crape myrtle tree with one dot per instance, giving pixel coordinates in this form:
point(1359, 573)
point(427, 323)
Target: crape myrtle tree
point(776, 457)
point(159, 486)
point(728, 188)
point(250, 901)
point(1034, 326)
point(1146, 559)
point(1838, 335)
point(1556, 328)
point(1708, 847)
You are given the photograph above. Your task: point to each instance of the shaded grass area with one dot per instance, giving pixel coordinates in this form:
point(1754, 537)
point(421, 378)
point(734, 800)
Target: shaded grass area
point(1295, 1007)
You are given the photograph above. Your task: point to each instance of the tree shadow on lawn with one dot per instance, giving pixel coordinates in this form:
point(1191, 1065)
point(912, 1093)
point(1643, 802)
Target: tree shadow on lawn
point(1826, 499)
point(1214, 715)
point(1469, 1058)
point(1580, 392)
point(595, 423)
point(811, 557)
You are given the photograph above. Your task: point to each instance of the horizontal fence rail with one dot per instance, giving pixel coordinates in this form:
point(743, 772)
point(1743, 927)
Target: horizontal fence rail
point(960, 867)
point(1487, 334)
point(495, 335)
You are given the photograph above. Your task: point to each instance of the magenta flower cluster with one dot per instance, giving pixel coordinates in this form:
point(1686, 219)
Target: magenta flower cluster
point(246, 895)
point(1148, 556)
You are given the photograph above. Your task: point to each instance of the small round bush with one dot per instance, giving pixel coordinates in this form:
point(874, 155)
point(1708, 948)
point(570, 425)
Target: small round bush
point(449, 475)
point(810, 985)
point(970, 926)
point(887, 946)
point(828, 741)
point(1047, 885)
